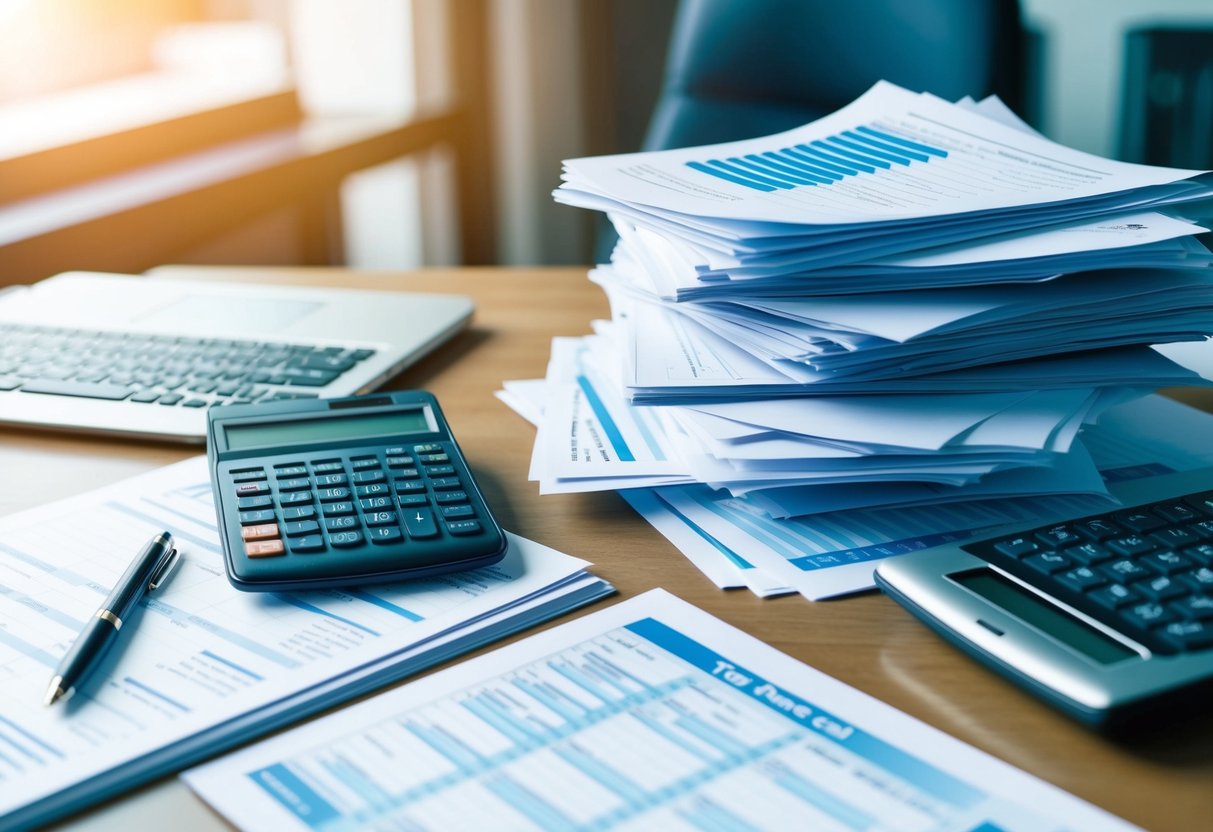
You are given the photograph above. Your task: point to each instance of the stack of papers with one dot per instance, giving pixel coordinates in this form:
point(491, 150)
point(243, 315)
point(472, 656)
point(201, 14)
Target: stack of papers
point(906, 303)
point(210, 667)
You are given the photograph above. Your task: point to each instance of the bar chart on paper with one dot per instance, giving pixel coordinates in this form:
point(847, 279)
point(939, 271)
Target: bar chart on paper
point(864, 150)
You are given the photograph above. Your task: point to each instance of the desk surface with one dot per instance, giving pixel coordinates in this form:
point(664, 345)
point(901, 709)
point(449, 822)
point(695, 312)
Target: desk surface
point(1163, 781)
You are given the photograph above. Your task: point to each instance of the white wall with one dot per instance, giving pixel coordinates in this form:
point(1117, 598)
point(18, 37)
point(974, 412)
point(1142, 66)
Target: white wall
point(1083, 61)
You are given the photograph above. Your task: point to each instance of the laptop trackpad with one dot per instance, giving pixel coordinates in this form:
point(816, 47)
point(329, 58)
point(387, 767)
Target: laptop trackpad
point(207, 313)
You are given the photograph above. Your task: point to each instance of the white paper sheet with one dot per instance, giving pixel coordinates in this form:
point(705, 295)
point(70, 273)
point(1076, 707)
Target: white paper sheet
point(650, 714)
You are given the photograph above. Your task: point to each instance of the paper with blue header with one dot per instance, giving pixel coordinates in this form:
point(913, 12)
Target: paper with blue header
point(650, 714)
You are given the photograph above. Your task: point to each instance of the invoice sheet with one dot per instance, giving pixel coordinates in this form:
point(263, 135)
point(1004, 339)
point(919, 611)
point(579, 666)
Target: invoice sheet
point(201, 656)
point(951, 161)
point(651, 714)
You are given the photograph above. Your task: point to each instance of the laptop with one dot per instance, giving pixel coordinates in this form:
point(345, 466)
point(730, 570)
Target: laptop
point(107, 353)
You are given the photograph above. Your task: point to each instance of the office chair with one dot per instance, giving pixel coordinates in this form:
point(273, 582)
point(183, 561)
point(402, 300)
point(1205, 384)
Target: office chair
point(737, 69)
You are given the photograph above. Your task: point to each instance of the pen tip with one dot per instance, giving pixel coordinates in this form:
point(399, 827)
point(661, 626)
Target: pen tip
point(55, 692)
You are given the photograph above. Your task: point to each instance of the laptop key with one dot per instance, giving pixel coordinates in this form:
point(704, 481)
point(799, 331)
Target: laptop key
point(81, 389)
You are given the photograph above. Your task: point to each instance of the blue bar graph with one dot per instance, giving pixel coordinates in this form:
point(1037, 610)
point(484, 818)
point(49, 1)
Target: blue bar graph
point(862, 150)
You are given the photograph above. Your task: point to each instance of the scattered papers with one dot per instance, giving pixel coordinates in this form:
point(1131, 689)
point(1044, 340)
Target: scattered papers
point(211, 667)
point(651, 714)
point(895, 323)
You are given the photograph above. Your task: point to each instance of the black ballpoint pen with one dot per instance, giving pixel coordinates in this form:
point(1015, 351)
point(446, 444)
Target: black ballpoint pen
point(149, 570)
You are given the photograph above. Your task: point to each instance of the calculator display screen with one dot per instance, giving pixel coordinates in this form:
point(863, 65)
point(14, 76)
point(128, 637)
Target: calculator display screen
point(328, 429)
point(1040, 614)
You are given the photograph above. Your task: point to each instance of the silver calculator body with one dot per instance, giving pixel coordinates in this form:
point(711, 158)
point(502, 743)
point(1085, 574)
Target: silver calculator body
point(1062, 610)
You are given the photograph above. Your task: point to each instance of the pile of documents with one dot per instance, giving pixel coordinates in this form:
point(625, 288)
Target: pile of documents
point(906, 303)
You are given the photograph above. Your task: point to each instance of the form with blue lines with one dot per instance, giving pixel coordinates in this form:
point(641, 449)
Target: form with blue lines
point(647, 715)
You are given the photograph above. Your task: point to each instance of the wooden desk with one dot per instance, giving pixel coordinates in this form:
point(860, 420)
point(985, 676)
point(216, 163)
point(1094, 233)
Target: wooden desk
point(1160, 782)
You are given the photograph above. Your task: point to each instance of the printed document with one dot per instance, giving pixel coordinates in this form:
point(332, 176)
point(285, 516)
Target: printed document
point(650, 714)
point(207, 666)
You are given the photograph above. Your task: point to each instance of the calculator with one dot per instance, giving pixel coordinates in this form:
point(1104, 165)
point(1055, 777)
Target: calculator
point(1108, 617)
point(324, 493)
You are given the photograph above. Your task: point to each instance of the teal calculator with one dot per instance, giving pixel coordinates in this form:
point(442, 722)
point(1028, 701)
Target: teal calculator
point(316, 493)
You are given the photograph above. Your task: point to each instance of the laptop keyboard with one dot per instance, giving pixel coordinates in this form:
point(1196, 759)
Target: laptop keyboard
point(164, 370)
point(1145, 571)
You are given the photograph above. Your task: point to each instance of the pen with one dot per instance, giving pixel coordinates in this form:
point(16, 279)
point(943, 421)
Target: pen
point(147, 571)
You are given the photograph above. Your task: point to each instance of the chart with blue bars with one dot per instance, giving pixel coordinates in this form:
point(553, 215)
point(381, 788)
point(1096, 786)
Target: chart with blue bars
point(867, 149)
point(639, 727)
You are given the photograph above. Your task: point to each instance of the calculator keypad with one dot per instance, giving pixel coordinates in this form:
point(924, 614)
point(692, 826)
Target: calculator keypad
point(327, 505)
point(1146, 571)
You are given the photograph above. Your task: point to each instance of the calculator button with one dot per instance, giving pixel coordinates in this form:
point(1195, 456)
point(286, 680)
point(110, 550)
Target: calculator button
point(1125, 570)
point(407, 474)
point(1089, 553)
point(327, 466)
point(428, 448)
point(1203, 529)
point(380, 518)
point(1114, 596)
point(294, 498)
point(399, 462)
point(1167, 563)
point(453, 512)
point(1201, 502)
point(1056, 537)
point(300, 527)
point(262, 516)
point(1134, 544)
point(1096, 528)
point(336, 509)
point(1048, 562)
point(395, 450)
point(420, 523)
point(412, 500)
point(369, 476)
point(345, 539)
point(372, 490)
point(296, 484)
point(1176, 537)
point(364, 464)
point(375, 503)
point(263, 548)
point(463, 527)
point(327, 480)
point(308, 543)
point(301, 513)
point(427, 459)
point(1148, 615)
point(1082, 579)
point(440, 471)
point(1016, 547)
point(292, 470)
point(338, 523)
point(1139, 520)
point(262, 531)
point(1201, 554)
point(385, 534)
point(248, 474)
point(448, 497)
point(254, 502)
point(252, 489)
point(1188, 635)
point(1161, 588)
point(1199, 579)
point(328, 495)
point(445, 483)
point(1177, 512)
point(1194, 606)
point(409, 486)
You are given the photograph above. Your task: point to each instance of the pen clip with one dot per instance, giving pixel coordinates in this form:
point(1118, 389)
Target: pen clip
point(165, 569)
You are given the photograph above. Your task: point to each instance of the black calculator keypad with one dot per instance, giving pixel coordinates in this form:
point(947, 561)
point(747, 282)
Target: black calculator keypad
point(1145, 571)
point(329, 505)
